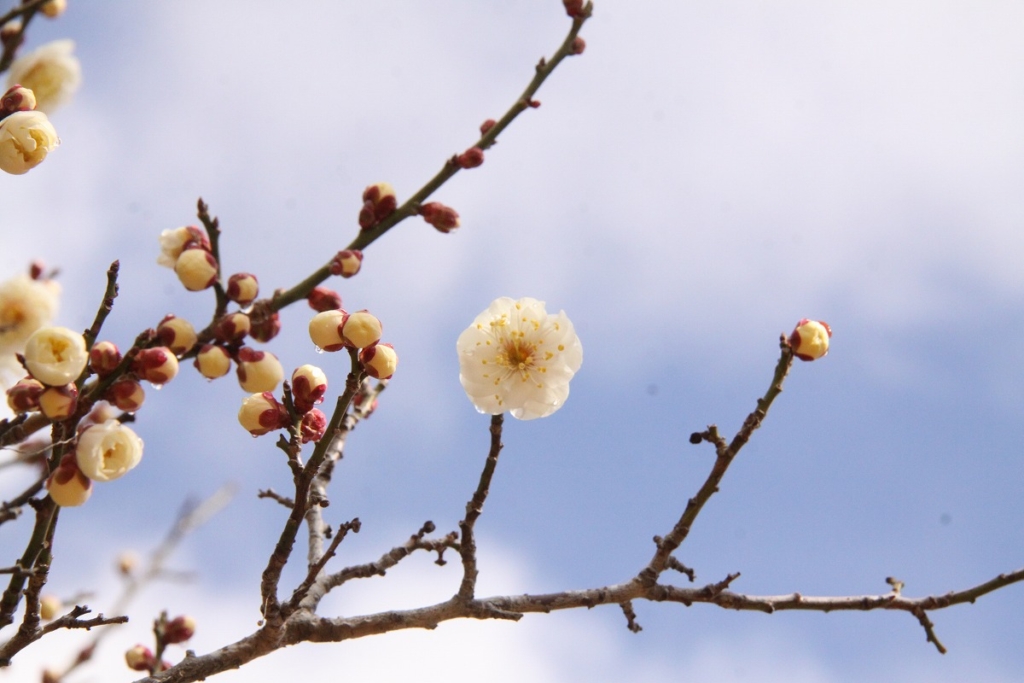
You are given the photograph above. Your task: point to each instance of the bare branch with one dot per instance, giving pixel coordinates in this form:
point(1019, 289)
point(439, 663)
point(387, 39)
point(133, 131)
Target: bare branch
point(474, 508)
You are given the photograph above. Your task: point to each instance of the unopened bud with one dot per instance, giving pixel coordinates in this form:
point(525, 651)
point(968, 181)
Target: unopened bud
point(139, 658)
point(258, 371)
point(104, 357)
point(325, 330)
point(313, 426)
point(17, 98)
point(578, 46)
point(127, 394)
point(157, 366)
point(262, 413)
point(59, 403)
point(54, 8)
point(179, 629)
point(232, 328)
point(379, 202)
point(243, 288)
point(361, 329)
point(309, 384)
point(379, 360)
point(471, 158)
point(574, 8)
point(212, 362)
point(442, 217)
point(11, 30)
point(264, 327)
point(487, 125)
point(49, 605)
point(347, 262)
point(24, 396)
point(324, 299)
point(196, 269)
point(177, 334)
point(809, 340)
point(67, 486)
point(127, 562)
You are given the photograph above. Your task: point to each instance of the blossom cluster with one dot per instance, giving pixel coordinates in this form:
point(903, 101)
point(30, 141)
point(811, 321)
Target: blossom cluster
point(38, 82)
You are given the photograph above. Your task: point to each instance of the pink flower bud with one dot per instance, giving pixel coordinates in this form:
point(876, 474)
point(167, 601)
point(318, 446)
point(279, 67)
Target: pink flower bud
point(309, 384)
point(578, 46)
point(379, 202)
point(471, 158)
point(809, 340)
point(264, 327)
point(157, 366)
point(574, 8)
point(258, 371)
point(243, 288)
point(59, 403)
point(487, 125)
point(379, 360)
point(104, 357)
point(127, 394)
point(361, 329)
point(23, 397)
point(179, 629)
point(324, 299)
point(325, 330)
point(196, 269)
point(347, 262)
point(533, 104)
point(262, 413)
point(18, 98)
point(140, 658)
point(442, 217)
point(177, 334)
point(314, 424)
point(232, 328)
point(67, 485)
point(55, 355)
point(212, 362)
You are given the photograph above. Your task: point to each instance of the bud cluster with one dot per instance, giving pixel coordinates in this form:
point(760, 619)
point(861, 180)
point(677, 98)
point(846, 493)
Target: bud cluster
point(379, 202)
point(26, 135)
point(337, 329)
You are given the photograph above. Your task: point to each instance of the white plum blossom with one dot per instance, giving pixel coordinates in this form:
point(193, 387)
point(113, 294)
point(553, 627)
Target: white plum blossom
point(107, 451)
point(26, 137)
point(55, 355)
point(50, 71)
point(516, 357)
point(25, 306)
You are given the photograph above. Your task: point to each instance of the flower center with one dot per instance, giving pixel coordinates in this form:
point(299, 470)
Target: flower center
point(517, 356)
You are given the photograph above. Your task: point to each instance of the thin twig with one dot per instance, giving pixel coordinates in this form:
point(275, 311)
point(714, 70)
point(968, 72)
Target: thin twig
point(474, 507)
point(724, 457)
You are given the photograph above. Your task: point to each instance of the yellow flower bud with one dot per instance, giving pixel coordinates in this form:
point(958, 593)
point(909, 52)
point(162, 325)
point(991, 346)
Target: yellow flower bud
point(361, 329)
point(258, 371)
point(213, 362)
point(197, 269)
point(325, 330)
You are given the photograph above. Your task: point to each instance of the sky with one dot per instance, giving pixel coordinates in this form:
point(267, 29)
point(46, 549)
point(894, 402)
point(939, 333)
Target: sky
point(702, 177)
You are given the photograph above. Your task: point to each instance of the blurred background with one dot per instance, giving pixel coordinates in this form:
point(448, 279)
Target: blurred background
point(705, 175)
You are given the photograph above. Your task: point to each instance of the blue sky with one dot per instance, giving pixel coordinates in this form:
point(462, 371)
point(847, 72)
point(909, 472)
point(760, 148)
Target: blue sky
point(705, 175)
